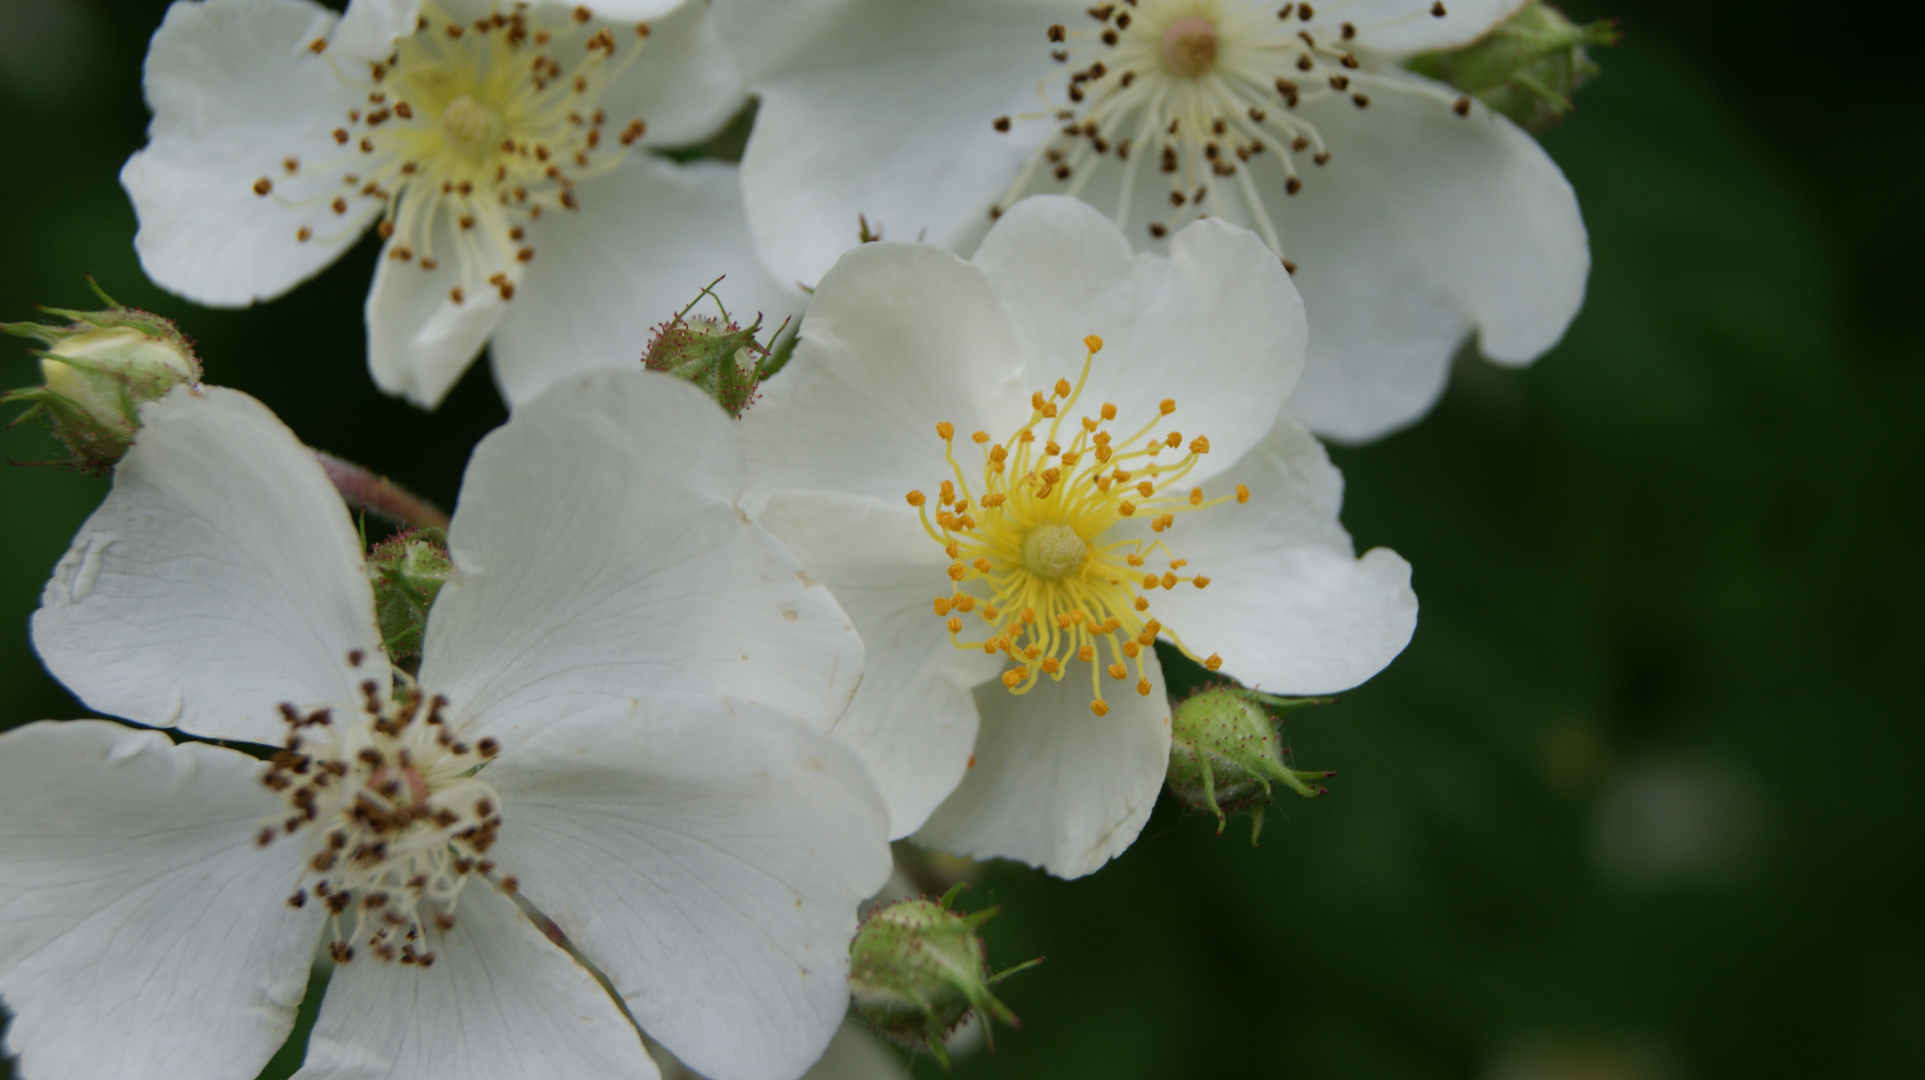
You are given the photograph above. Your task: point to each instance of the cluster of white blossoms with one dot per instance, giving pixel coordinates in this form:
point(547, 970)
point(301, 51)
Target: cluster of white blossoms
point(683, 678)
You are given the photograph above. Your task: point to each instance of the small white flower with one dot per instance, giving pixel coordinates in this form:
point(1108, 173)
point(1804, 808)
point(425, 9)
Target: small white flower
point(1069, 500)
point(617, 719)
point(1413, 216)
point(502, 148)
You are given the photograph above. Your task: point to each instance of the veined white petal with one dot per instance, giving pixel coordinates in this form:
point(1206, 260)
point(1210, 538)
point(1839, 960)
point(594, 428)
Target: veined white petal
point(426, 325)
point(1053, 785)
point(500, 1002)
point(648, 236)
point(913, 719)
point(368, 29)
point(708, 857)
point(686, 85)
point(220, 578)
point(141, 929)
point(601, 558)
point(238, 95)
point(1216, 325)
point(1289, 608)
point(897, 338)
point(1403, 27)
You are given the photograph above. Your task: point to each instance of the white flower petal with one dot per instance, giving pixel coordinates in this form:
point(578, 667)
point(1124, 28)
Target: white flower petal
point(368, 30)
point(708, 857)
point(1402, 27)
point(913, 719)
point(220, 578)
point(1289, 608)
point(420, 337)
point(237, 94)
point(601, 558)
point(686, 84)
point(854, 1054)
point(1053, 785)
point(920, 158)
point(500, 1002)
point(1215, 326)
point(647, 238)
point(1424, 226)
point(142, 932)
point(897, 338)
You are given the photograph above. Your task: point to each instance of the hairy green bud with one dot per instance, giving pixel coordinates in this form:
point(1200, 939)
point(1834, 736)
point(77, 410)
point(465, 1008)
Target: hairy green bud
point(97, 369)
point(1227, 749)
point(1527, 67)
point(407, 571)
point(716, 354)
point(917, 969)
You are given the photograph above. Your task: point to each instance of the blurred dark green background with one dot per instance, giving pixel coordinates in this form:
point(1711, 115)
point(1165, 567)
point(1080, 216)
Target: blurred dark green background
point(1643, 799)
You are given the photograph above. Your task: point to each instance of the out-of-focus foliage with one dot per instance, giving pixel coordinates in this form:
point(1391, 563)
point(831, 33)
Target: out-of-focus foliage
point(1640, 802)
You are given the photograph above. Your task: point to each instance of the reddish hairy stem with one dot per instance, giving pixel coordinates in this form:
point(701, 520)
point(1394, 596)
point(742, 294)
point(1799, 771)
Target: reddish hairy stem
point(379, 495)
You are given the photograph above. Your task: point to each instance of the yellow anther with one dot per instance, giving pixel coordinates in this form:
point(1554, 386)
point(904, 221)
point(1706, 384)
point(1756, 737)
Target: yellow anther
point(1049, 409)
point(1099, 708)
point(1173, 440)
point(1142, 603)
point(983, 564)
point(1093, 344)
point(1214, 663)
point(1026, 437)
point(957, 572)
point(1146, 639)
point(1143, 687)
point(1062, 388)
point(946, 430)
point(990, 502)
point(1200, 581)
point(948, 493)
point(1030, 651)
point(946, 520)
point(1050, 665)
point(1148, 489)
point(989, 611)
point(1118, 671)
point(1050, 449)
point(1071, 457)
point(1010, 679)
point(1052, 475)
point(1164, 522)
point(1131, 649)
point(1036, 401)
point(952, 549)
point(955, 625)
point(1168, 406)
point(942, 605)
point(1042, 492)
point(1125, 509)
point(1152, 627)
point(980, 437)
point(998, 452)
point(965, 603)
point(1196, 496)
point(915, 498)
point(1110, 624)
point(1150, 581)
point(1086, 653)
point(1089, 423)
point(1178, 564)
point(1062, 622)
point(1103, 452)
point(1133, 559)
point(1123, 476)
point(1109, 411)
point(965, 523)
point(1243, 493)
point(1200, 445)
point(1169, 580)
point(1028, 616)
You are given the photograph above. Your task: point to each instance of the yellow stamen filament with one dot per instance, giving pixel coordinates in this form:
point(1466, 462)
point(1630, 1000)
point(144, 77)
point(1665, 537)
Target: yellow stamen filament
point(1047, 563)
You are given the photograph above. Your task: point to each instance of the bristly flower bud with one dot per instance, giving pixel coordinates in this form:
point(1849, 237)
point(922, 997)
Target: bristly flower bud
point(1226, 749)
point(97, 370)
point(407, 571)
point(917, 969)
point(1527, 67)
point(716, 354)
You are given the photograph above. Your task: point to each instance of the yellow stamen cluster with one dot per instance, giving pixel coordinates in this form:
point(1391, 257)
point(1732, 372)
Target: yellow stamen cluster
point(470, 130)
point(1031, 555)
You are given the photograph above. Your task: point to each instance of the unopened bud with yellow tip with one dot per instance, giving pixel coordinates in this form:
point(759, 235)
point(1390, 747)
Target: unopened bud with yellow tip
point(917, 970)
point(1527, 67)
point(1227, 750)
point(97, 369)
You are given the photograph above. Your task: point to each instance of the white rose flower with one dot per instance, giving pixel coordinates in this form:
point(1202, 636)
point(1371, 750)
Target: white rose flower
point(1413, 216)
point(1069, 500)
point(501, 147)
point(616, 722)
